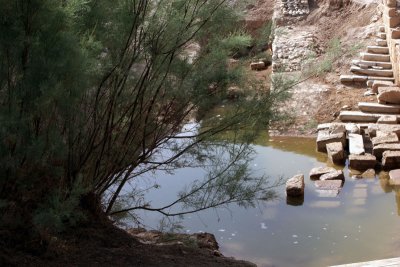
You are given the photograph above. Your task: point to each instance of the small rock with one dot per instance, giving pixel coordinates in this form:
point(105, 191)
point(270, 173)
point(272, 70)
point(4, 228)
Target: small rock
point(369, 93)
point(346, 107)
point(370, 173)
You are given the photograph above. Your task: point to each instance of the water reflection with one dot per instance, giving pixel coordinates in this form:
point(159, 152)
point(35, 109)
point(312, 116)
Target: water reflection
point(359, 224)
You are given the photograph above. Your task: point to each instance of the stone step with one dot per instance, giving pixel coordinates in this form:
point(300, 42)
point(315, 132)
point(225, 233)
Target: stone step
point(379, 108)
point(384, 65)
point(376, 78)
point(381, 35)
point(381, 42)
point(377, 49)
point(359, 116)
point(374, 57)
point(371, 72)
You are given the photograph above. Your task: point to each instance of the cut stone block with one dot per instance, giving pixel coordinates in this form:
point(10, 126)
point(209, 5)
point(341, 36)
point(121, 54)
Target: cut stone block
point(389, 95)
point(358, 116)
point(346, 78)
point(381, 35)
point(378, 108)
point(352, 128)
point(362, 162)
point(377, 49)
point(390, 79)
point(381, 42)
point(325, 137)
point(379, 149)
point(360, 78)
point(336, 175)
point(356, 144)
point(391, 160)
point(389, 138)
point(375, 57)
point(295, 186)
point(393, 21)
point(387, 119)
point(395, 33)
point(384, 65)
point(372, 72)
point(391, 3)
point(317, 172)
point(394, 177)
point(335, 153)
point(377, 84)
point(373, 129)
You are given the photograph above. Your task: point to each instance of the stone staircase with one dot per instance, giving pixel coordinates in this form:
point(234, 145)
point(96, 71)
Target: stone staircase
point(373, 65)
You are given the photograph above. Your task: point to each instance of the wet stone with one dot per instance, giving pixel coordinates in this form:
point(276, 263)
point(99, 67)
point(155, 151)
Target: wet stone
point(325, 137)
point(329, 184)
point(335, 152)
point(295, 186)
point(317, 172)
point(394, 177)
point(362, 162)
point(379, 149)
point(336, 175)
point(391, 160)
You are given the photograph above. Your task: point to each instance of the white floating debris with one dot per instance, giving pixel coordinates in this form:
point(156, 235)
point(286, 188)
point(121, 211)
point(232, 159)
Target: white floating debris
point(221, 230)
point(295, 242)
point(233, 234)
point(264, 226)
point(295, 236)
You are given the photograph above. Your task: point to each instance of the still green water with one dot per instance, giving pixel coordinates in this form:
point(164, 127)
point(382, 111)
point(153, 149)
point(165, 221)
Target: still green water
point(362, 223)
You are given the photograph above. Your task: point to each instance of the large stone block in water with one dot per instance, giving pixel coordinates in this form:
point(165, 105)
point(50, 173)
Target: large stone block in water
point(295, 186)
point(325, 137)
point(391, 160)
point(362, 162)
point(317, 172)
point(335, 152)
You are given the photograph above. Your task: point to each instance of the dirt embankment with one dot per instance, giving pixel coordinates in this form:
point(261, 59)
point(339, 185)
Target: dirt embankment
point(340, 27)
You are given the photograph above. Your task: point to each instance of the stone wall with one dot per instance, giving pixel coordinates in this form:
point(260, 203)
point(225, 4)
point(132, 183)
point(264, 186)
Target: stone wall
point(391, 19)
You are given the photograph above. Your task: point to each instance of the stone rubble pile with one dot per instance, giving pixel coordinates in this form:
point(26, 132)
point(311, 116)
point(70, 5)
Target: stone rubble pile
point(291, 47)
point(295, 7)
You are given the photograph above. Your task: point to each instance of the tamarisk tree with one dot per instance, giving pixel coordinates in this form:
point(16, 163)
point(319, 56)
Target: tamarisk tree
point(94, 94)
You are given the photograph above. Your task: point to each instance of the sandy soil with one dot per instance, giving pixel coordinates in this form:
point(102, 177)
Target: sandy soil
point(320, 99)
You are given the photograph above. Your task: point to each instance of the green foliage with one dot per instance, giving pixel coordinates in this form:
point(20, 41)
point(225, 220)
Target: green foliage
point(92, 92)
point(237, 42)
